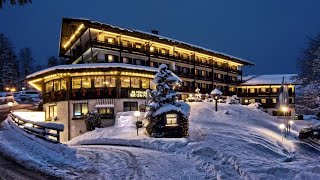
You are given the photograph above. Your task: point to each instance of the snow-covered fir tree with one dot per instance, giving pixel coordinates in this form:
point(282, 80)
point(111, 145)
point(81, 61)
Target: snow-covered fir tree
point(26, 64)
point(163, 98)
point(8, 64)
point(308, 100)
point(52, 61)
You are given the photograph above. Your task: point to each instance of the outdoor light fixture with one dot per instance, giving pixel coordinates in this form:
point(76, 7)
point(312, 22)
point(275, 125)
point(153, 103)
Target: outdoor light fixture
point(284, 110)
point(137, 114)
point(282, 126)
point(10, 104)
point(216, 93)
point(290, 125)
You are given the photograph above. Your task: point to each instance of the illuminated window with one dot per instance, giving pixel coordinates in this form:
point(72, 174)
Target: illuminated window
point(263, 101)
point(80, 109)
point(49, 86)
point(186, 83)
point(274, 90)
point(110, 40)
point(203, 85)
point(152, 48)
point(152, 85)
point(251, 90)
point(163, 51)
point(138, 46)
point(125, 82)
point(110, 58)
point(76, 82)
point(263, 90)
point(135, 82)
point(86, 82)
point(145, 83)
point(110, 81)
point(52, 111)
point(125, 43)
point(172, 120)
point(130, 106)
point(63, 84)
point(107, 112)
point(274, 101)
point(56, 85)
point(98, 81)
point(252, 100)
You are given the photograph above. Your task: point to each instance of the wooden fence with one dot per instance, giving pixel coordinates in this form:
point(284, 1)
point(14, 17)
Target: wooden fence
point(47, 131)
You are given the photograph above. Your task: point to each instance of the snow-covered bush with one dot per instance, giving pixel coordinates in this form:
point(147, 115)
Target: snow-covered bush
point(163, 100)
point(233, 100)
point(254, 105)
point(93, 121)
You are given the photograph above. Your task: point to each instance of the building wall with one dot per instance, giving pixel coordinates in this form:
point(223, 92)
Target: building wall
point(77, 126)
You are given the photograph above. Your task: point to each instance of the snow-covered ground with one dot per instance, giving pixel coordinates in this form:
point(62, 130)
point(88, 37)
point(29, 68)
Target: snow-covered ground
point(5, 106)
point(244, 143)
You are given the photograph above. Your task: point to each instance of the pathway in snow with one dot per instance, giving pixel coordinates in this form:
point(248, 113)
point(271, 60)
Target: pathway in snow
point(115, 162)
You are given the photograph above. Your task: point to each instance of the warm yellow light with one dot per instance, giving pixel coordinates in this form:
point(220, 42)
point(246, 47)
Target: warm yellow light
point(10, 104)
point(136, 113)
point(73, 36)
point(110, 40)
point(151, 48)
point(282, 126)
point(13, 90)
point(7, 89)
point(284, 109)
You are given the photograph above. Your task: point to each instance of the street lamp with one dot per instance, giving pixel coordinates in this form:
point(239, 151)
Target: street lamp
point(216, 95)
point(137, 114)
point(10, 104)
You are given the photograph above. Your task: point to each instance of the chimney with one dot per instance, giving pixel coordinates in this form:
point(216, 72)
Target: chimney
point(153, 31)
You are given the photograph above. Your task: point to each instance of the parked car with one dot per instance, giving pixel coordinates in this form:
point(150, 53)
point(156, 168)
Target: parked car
point(30, 95)
point(6, 97)
point(310, 132)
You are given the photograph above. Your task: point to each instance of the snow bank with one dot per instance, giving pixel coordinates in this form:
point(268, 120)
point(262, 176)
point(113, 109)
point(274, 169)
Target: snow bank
point(53, 159)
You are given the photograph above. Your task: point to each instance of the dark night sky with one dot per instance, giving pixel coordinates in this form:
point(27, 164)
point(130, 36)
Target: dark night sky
point(270, 33)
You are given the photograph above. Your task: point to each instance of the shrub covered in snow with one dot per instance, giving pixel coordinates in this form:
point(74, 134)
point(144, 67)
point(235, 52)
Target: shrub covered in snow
point(93, 121)
point(255, 105)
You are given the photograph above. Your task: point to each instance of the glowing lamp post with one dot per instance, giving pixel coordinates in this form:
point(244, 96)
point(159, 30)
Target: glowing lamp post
point(137, 114)
point(216, 93)
point(10, 104)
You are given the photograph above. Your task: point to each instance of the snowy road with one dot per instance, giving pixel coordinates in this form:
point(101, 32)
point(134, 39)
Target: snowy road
point(116, 162)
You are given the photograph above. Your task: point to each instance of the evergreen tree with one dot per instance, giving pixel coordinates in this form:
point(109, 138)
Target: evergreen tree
point(308, 101)
point(8, 64)
point(14, 2)
point(26, 64)
point(163, 99)
point(52, 61)
point(93, 121)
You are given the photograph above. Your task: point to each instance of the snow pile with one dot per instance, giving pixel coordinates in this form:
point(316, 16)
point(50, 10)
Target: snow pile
point(127, 119)
point(53, 159)
point(254, 105)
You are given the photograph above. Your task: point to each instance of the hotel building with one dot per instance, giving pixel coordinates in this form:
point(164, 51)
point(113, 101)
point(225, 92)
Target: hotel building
point(109, 68)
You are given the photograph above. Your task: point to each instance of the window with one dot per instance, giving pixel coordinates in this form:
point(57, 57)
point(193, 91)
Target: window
point(152, 85)
point(86, 82)
point(63, 84)
point(76, 82)
point(135, 82)
point(125, 43)
point(130, 106)
point(186, 83)
point(109, 58)
point(138, 62)
point(203, 86)
point(99, 81)
point(80, 109)
point(145, 83)
point(110, 40)
point(274, 90)
point(263, 101)
point(52, 111)
point(49, 86)
point(172, 120)
point(138, 46)
point(274, 101)
point(251, 90)
point(152, 48)
point(263, 90)
point(125, 60)
point(56, 85)
point(106, 112)
point(110, 81)
point(125, 82)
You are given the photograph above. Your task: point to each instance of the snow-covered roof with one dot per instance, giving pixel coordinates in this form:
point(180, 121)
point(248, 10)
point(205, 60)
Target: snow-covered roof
point(154, 37)
point(269, 79)
point(94, 66)
point(216, 92)
point(181, 107)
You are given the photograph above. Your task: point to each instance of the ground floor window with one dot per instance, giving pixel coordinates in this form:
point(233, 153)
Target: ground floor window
point(130, 106)
point(263, 101)
point(106, 112)
point(80, 109)
point(52, 111)
point(171, 120)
